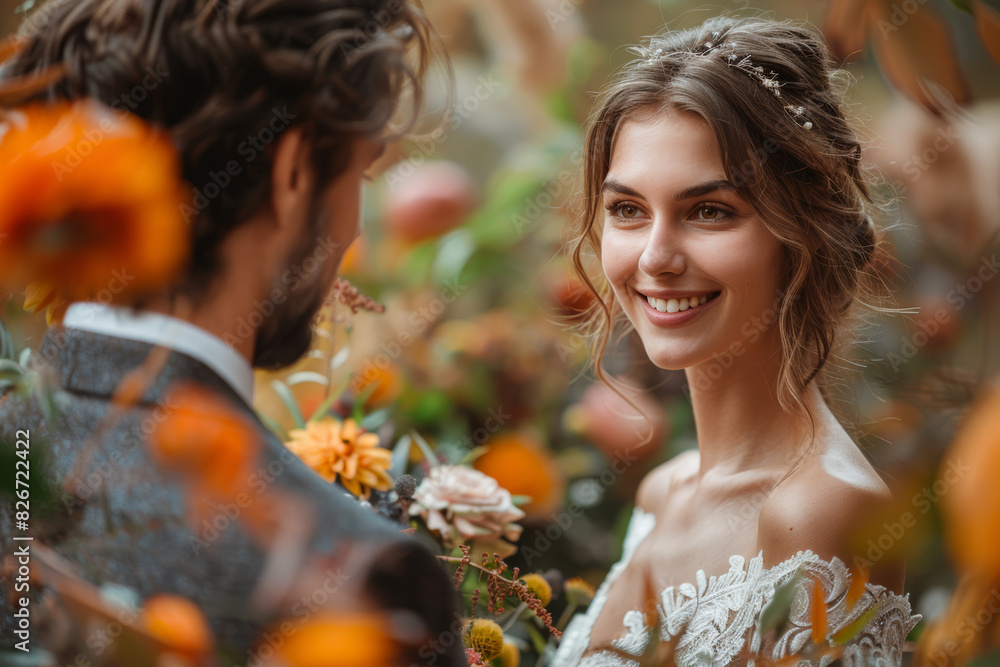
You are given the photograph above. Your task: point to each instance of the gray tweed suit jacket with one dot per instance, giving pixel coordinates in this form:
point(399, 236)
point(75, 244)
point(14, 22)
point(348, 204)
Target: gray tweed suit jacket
point(135, 530)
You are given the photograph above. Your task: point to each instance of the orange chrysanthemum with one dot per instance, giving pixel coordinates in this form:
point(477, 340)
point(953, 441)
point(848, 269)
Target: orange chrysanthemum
point(334, 449)
point(89, 202)
point(44, 295)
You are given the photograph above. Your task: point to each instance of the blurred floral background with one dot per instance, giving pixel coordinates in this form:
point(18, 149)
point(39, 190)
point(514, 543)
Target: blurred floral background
point(474, 362)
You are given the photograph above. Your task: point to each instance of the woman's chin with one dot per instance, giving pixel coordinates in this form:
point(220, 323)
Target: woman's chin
point(669, 360)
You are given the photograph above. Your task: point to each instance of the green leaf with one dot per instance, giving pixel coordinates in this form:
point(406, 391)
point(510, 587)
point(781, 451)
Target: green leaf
point(852, 630)
point(7, 349)
point(373, 420)
point(323, 407)
point(775, 614)
point(964, 5)
point(453, 254)
point(432, 407)
point(289, 400)
point(400, 456)
point(425, 448)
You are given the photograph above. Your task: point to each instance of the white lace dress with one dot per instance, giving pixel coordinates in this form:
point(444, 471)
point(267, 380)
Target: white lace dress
point(714, 616)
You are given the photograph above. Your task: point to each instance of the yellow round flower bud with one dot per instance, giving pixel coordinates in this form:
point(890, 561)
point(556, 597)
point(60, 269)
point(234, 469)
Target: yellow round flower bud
point(539, 587)
point(509, 655)
point(485, 637)
point(579, 592)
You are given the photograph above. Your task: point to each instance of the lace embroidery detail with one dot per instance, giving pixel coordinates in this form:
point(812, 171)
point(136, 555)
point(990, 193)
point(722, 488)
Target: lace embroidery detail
point(713, 617)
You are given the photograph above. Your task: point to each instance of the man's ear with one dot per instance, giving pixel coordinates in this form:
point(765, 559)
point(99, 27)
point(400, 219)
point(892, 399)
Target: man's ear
point(293, 177)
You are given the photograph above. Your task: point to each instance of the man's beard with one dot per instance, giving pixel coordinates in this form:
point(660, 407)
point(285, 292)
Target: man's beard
point(286, 334)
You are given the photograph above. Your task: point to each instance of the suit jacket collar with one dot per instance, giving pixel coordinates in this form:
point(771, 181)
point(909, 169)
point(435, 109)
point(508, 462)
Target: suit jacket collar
point(92, 363)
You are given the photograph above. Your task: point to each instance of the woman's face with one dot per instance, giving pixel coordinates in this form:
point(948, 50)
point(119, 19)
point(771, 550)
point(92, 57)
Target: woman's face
point(694, 268)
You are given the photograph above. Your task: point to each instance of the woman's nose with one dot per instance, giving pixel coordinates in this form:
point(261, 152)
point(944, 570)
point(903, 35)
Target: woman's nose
point(664, 252)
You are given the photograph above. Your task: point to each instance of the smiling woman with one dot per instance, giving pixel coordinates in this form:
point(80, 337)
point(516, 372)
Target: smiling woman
point(727, 204)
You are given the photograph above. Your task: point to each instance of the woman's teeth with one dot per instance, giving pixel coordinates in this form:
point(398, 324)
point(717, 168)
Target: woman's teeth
point(676, 305)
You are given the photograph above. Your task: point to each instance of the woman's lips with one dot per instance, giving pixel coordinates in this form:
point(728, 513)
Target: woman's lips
point(674, 311)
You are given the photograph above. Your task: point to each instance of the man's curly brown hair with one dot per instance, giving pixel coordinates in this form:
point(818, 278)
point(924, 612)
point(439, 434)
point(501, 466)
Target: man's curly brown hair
point(224, 77)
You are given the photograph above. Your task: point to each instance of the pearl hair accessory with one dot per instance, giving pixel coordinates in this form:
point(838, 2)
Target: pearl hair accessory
point(768, 80)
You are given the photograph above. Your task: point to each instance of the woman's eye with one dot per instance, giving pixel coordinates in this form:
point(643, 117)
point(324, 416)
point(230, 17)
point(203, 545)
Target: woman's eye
point(709, 213)
point(626, 211)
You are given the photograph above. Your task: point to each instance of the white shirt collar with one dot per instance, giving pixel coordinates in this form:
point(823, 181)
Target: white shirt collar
point(169, 332)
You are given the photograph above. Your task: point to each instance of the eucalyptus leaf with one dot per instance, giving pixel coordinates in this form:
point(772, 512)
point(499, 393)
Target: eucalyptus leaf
point(307, 376)
point(425, 448)
point(338, 359)
point(400, 456)
point(453, 254)
point(289, 400)
point(373, 420)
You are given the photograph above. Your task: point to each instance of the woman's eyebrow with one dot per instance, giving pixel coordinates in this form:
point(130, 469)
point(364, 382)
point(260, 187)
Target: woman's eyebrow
point(615, 186)
point(705, 188)
point(687, 193)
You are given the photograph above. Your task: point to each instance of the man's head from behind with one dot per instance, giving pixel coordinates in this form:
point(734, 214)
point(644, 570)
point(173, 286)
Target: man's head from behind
point(276, 107)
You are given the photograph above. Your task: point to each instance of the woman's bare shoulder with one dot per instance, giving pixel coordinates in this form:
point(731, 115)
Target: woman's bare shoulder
point(821, 507)
point(656, 484)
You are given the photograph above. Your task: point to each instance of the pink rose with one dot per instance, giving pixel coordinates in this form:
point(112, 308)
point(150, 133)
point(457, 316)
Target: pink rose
point(465, 506)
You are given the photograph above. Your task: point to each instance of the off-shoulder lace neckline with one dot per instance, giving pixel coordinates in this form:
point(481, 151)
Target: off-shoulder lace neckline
point(737, 594)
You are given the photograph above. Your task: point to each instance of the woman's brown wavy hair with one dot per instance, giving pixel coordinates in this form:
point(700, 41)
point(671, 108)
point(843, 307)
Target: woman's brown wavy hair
point(215, 73)
point(808, 186)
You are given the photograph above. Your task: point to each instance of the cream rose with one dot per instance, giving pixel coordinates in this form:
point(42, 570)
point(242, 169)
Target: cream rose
point(465, 506)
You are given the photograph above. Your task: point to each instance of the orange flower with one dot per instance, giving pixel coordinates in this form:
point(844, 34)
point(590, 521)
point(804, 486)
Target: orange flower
point(39, 296)
point(333, 449)
point(331, 639)
point(178, 623)
point(817, 612)
point(385, 385)
point(969, 471)
point(524, 468)
point(206, 440)
point(89, 201)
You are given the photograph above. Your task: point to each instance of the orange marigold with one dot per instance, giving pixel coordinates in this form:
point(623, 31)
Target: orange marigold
point(340, 449)
point(89, 201)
